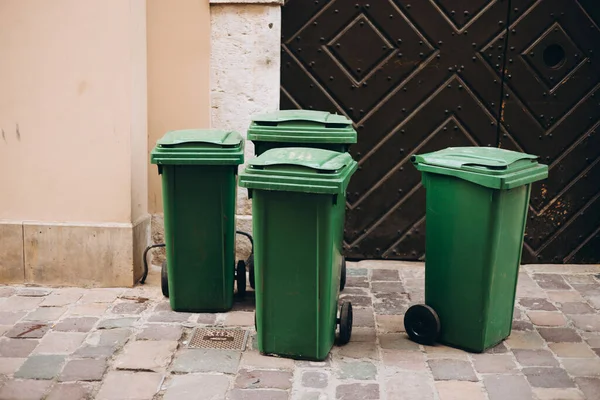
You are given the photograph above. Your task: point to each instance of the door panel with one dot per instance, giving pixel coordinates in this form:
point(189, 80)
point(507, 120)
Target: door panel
point(551, 109)
point(417, 76)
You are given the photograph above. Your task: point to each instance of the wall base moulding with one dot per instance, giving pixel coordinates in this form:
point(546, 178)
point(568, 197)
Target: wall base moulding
point(88, 255)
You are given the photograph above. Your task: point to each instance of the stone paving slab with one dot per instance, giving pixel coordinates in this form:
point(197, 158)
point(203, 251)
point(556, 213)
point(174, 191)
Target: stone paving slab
point(83, 370)
point(119, 344)
point(197, 387)
point(146, 355)
point(71, 391)
point(28, 389)
point(44, 366)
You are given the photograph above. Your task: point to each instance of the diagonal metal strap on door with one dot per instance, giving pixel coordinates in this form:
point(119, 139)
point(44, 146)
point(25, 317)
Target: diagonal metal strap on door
point(418, 76)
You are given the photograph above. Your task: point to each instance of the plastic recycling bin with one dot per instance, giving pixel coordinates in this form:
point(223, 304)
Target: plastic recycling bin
point(298, 209)
point(477, 201)
point(302, 128)
point(199, 185)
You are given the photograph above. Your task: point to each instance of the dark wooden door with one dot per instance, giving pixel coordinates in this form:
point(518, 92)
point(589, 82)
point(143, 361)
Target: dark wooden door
point(421, 75)
point(551, 108)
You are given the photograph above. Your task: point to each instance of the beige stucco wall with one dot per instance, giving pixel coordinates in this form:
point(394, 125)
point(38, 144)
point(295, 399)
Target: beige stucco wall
point(66, 109)
point(87, 89)
point(178, 83)
point(244, 80)
point(178, 74)
point(73, 115)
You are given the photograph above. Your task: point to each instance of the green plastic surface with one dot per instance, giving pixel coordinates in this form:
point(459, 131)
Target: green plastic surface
point(199, 147)
point(300, 169)
point(298, 237)
point(199, 174)
point(301, 128)
point(206, 136)
point(487, 166)
point(473, 251)
point(295, 117)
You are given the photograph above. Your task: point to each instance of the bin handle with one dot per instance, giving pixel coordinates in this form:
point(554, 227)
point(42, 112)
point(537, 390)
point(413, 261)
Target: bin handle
point(249, 236)
point(145, 274)
point(145, 255)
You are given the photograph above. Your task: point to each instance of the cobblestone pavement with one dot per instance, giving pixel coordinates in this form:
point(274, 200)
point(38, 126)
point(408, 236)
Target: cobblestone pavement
point(118, 344)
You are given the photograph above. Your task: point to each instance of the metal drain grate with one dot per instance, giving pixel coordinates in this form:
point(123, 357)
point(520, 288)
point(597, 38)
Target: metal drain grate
point(218, 338)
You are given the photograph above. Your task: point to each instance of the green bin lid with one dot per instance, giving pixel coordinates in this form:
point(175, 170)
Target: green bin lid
point(299, 169)
point(487, 166)
point(301, 126)
point(199, 147)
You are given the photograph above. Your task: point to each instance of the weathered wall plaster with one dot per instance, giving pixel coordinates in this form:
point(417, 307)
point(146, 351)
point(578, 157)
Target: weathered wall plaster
point(245, 62)
point(74, 141)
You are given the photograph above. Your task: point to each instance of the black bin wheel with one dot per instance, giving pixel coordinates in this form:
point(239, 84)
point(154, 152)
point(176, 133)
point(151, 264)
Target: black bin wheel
point(240, 278)
point(422, 324)
point(251, 270)
point(345, 323)
point(343, 274)
point(164, 279)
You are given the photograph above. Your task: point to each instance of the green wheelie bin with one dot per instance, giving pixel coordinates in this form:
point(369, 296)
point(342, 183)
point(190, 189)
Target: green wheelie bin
point(302, 128)
point(298, 209)
point(199, 185)
point(477, 200)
